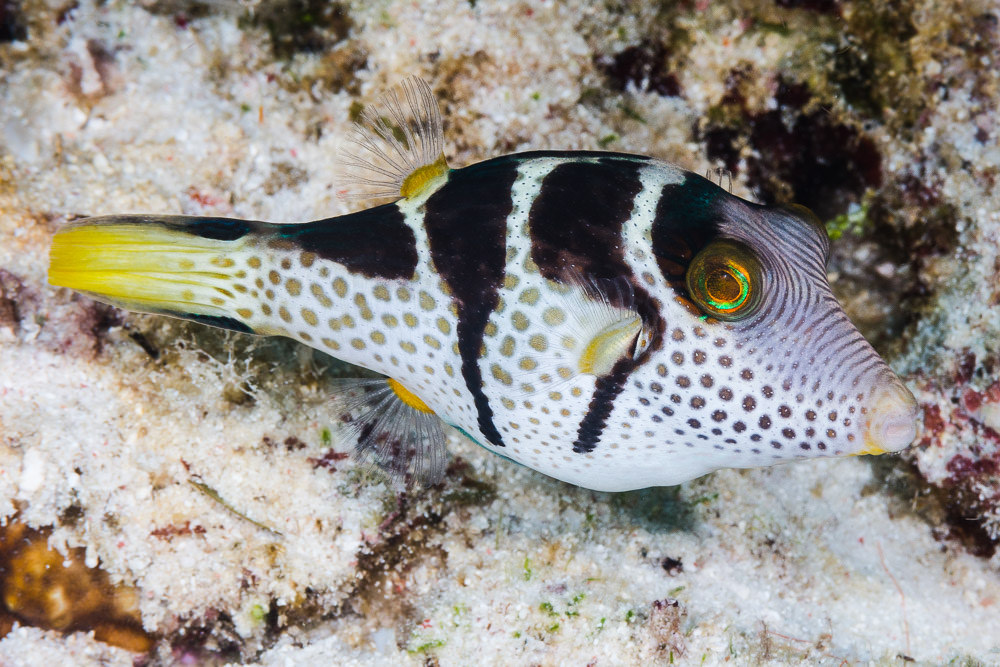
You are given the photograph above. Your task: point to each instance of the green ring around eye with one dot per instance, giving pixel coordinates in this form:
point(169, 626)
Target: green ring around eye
point(724, 280)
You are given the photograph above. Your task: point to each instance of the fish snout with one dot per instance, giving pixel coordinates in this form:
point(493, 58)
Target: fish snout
point(892, 418)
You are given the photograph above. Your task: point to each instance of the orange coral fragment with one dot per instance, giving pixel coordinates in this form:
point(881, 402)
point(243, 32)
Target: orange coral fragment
point(40, 586)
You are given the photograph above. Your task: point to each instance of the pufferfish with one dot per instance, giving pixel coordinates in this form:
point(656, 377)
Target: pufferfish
point(607, 319)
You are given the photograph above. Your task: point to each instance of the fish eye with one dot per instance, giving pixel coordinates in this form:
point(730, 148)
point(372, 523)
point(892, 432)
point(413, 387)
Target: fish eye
point(724, 280)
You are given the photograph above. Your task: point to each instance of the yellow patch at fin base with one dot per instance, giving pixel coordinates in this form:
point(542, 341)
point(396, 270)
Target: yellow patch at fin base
point(610, 344)
point(397, 146)
point(424, 178)
point(606, 327)
point(408, 396)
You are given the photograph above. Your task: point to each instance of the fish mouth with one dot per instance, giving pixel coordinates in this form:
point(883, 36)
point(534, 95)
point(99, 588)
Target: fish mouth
point(892, 418)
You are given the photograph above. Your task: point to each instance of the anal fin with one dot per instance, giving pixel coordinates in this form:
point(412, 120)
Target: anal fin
point(392, 430)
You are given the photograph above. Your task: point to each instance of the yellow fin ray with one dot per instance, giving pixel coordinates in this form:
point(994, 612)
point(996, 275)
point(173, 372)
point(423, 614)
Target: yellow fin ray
point(397, 147)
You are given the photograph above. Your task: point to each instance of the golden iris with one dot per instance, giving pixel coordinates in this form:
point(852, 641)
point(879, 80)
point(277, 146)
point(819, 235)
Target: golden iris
point(724, 279)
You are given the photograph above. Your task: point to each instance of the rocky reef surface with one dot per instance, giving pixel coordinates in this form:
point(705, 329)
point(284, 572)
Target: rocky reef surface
point(173, 494)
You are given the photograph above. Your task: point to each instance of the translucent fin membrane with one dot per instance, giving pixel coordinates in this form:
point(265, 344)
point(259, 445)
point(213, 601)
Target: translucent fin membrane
point(611, 328)
point(404, 441)
point(589, 326)
point(396, 149)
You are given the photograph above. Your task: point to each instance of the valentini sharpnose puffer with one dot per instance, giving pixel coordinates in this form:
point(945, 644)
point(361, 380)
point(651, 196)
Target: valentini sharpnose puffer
point(607, 319)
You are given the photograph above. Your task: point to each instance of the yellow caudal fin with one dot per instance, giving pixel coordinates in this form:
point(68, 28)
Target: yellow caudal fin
point(172, 265)
point(397, 147)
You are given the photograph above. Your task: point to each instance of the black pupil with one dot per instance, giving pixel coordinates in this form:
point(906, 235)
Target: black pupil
point(722, 285)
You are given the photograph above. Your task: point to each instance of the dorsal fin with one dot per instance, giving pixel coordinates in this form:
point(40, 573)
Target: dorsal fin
point(397, 146)
point(392, 429)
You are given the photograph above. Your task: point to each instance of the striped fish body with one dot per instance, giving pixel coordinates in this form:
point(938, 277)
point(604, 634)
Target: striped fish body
point(543, 304)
